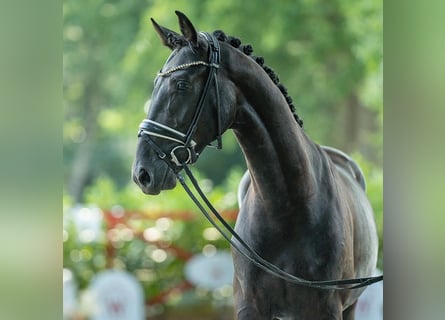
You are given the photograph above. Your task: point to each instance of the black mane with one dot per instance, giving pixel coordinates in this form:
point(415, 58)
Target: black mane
point(247, 49)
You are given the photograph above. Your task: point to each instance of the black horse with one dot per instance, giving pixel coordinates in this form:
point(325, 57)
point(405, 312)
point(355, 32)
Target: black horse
point(302, 207)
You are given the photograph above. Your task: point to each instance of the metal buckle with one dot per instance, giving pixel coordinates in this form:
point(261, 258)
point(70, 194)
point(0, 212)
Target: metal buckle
point(175, 160)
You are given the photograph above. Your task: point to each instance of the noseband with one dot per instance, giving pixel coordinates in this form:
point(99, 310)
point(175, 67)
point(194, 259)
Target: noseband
point(185, 143)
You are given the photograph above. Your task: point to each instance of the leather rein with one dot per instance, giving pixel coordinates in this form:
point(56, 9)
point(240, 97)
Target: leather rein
point(186, 146)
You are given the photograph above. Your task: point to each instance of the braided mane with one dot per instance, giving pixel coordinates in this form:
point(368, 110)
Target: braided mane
point(247, 49)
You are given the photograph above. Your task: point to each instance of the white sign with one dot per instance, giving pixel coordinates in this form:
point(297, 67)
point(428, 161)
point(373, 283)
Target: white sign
point(370, 303)
point(118, 296)
point(210, 272)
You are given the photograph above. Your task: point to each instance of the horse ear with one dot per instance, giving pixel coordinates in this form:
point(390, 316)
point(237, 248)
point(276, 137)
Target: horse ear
point(187, 29)
point(168, 37)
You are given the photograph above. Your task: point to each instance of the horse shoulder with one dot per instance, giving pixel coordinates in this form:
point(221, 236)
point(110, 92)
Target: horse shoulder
point(365, 233)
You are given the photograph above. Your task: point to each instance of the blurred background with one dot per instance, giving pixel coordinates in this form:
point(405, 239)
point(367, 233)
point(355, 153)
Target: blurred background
point(328, 55)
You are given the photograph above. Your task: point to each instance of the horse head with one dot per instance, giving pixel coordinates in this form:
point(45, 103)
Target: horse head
point(189, 108)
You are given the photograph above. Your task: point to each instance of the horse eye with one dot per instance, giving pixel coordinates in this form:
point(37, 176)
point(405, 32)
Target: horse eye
point(182, 85)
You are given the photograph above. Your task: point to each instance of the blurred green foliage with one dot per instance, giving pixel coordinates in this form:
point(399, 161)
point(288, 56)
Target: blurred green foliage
point(328, 55)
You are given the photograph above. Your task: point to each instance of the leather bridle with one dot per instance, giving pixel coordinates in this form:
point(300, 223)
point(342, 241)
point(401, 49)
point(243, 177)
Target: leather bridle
point(185, 142)
point(150, 128)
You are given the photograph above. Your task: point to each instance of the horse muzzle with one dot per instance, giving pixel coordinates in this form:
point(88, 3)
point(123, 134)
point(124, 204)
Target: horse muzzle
point(152, 180)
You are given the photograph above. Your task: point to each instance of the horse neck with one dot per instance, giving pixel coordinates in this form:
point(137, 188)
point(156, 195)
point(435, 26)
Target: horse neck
point(280, 157)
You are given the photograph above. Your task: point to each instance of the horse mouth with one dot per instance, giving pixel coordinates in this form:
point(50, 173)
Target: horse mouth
point(152, 185)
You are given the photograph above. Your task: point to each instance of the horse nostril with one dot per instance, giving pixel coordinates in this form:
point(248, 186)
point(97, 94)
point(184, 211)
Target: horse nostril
point(144, 177)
